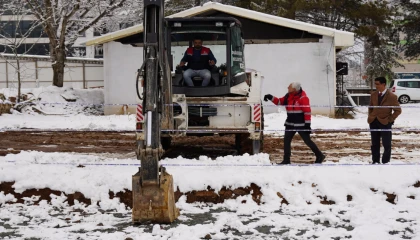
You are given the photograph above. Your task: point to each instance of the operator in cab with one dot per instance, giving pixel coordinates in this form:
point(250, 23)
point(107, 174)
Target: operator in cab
point(199, 60)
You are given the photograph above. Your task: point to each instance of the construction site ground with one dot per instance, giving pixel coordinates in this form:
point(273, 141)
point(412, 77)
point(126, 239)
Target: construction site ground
point(335, 145)
point(74, 220)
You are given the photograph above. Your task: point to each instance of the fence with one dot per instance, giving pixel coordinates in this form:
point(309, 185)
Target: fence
point(36, 71)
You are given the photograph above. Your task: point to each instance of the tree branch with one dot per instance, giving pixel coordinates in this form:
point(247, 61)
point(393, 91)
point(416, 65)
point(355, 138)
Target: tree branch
point(94, 21)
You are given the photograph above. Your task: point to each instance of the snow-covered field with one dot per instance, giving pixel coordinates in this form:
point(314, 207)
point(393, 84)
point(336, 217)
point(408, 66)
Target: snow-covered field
point(357, 192)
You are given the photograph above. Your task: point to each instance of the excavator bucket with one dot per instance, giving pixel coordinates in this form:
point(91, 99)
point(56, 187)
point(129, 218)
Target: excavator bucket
point(154, 202)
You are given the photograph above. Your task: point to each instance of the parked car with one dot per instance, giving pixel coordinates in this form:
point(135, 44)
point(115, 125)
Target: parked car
point(406, 89)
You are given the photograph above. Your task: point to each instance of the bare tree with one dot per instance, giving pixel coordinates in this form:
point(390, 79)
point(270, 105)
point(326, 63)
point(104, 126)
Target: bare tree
point(15, 39)
point(64, 20)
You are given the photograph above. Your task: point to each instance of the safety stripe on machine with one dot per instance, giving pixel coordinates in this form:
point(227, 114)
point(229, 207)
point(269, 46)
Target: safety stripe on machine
point(140, 116)
point(257, 112)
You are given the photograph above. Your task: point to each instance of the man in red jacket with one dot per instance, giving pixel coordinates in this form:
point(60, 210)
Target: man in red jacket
point(298, 120)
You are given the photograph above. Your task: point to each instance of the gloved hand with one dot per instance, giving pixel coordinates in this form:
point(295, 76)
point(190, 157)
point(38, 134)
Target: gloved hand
point(268, 97)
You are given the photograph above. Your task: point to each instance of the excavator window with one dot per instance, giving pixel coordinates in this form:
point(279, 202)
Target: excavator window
point(237, 49)
point(223, 36)
point(214, 40)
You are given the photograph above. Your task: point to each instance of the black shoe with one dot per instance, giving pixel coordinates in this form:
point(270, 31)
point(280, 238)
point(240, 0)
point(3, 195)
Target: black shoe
point(284, 162)
point(375, 162)
point(319, 159)
point(384, 162)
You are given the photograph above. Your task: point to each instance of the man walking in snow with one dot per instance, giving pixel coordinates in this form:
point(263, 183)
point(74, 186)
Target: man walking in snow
point(381, 119)
point(298, 120)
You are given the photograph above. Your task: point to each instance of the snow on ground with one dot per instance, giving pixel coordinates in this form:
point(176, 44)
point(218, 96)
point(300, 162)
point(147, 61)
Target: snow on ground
point(79, 115)
point(367, 216)
point(53, 100)
point(79, 112)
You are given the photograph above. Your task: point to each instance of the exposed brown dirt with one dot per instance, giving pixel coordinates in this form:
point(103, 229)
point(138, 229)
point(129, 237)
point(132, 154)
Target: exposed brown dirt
point(69, 141)
point(390, 197)
point(219, 197)
point(325, 201)
point(207, 196)
point(283, 200)
point(334, 144)
point(44, 194)
point(126, 197)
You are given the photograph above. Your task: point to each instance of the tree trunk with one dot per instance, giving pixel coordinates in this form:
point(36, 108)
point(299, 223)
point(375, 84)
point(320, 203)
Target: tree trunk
point(58, 57)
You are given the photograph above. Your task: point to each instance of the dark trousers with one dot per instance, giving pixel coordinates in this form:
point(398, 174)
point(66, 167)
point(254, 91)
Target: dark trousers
point(386, 134)
point(306, 136)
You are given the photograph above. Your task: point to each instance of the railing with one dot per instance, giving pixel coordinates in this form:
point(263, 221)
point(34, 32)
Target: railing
point(36, 71)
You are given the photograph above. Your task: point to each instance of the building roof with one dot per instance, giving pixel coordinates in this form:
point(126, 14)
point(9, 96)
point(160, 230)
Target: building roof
point(341, 38)
point(109, 37)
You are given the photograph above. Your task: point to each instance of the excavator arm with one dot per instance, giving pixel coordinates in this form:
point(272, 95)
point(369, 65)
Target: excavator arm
point(153, 194)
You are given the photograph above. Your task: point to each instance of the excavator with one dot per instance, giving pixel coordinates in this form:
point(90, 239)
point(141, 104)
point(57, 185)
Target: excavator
point(167, 107)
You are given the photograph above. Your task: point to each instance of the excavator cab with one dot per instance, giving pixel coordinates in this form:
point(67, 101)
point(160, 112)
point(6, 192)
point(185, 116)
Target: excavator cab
point(223, 36)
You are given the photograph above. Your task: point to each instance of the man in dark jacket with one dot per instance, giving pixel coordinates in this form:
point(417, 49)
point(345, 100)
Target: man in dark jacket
point(199, 60)
point(298, 120)
point(381, 119)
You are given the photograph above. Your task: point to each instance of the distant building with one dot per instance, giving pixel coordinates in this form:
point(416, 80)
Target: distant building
point(37, 43)
point(409, 66)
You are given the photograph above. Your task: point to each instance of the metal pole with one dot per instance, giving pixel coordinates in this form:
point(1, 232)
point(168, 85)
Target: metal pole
point(84, 76)
point(36, 72)
point(360, 66)
point(7, 74)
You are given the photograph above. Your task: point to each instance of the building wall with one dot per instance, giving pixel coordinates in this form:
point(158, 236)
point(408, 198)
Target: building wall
point(408, 67)
point(121, 63)
point(306, 63)
point(311, 64)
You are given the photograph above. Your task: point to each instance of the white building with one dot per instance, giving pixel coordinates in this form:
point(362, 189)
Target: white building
point(283, 50)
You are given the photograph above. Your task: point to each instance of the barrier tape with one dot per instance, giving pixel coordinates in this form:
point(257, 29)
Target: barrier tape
point(213, 130)
point(225, 105)
point(63, 130)
point(227, 165)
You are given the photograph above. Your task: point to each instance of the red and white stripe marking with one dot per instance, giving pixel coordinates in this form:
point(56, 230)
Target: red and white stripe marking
point(140, 116)
point(257, 112)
